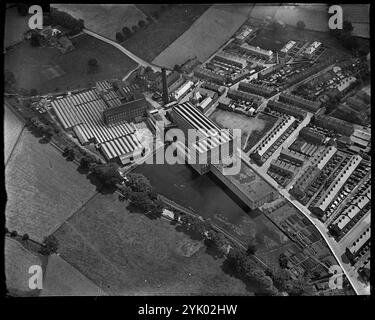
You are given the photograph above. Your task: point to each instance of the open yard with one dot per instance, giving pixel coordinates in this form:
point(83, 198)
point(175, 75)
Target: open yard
point(12, 129)
point(43, 189)
point(206, 35)
point(149, 42)
point(252, 128)
point(129, 254)
point(105, 19)
point(48, 70)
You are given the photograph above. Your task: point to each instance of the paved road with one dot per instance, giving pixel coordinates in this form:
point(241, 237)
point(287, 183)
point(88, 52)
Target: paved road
point(118, 46)
point(351, 274)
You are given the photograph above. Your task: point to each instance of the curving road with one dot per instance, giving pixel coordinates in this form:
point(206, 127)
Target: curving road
point(118, 46)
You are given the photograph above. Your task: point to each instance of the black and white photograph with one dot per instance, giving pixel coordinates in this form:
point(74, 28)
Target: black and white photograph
point(186, 149)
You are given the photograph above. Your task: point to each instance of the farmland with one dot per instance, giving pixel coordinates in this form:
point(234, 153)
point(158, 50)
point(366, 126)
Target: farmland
point(48, 70)
point(12, 129)
point(61, 279)
point(129, 254)
point(17, 263)
point(43, 189)
point(150, 41)
point(105, 19)
point(212, 29)
point(15, 26)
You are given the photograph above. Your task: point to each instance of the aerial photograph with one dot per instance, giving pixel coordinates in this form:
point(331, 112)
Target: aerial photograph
point(216, 149)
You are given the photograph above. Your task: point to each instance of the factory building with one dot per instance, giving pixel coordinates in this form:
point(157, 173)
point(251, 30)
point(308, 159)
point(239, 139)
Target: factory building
point(311, 49)
point(292, 156)
point(183, 89)
point(244, 96)
point(329, 195)
point(271, 138)
point(360, 246)
point(248, 49)
point(287, 109)
point(312, 136)
point(305, 181)
point(283, 168)
point(128, 111)
point(256, 89)
point(209, 75)
point(230, 59)
point(331, 123)
point(300, 102)
point(288, 46)
point(211, 140)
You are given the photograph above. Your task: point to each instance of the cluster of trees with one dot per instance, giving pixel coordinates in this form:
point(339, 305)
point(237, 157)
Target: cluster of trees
point(127, 32)
point(141, 193)
point(244, 266)
point(40, 127)
point(106, 173)
point(345, 37)
point(93, 65)
point(50, 245)
point(14, 233)
point(61, 18)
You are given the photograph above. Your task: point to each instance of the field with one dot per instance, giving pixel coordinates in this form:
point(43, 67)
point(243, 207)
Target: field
point(43, 189)
point(129, 254)
point(206, 35)
point(12, 129)
point(48, 70)
point(17, 263)
point(61, 279)
point(105, 19)
point(150, 41)
point(15, 26)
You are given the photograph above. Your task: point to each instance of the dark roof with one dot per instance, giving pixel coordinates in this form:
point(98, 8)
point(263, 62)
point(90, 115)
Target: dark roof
point(132, 104)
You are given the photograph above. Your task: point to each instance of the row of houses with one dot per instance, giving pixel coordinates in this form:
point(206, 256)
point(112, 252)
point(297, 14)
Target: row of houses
point(256, 89)
point(308, 105)
point(331, 123)
point(287, 109)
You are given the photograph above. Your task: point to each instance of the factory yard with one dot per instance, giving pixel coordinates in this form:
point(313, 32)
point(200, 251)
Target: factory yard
point(48, 70)
point(43, 189)
point(213, 28)
point(127, 253)
point(105, 19)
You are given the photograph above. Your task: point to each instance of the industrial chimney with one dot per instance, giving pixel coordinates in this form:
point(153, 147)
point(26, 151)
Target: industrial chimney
point(165, 86)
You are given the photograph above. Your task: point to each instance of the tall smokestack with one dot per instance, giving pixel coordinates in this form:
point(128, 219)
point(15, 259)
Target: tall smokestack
point(165, 86)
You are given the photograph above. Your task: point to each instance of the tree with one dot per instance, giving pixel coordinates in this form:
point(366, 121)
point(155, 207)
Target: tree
point(13, 233)
point(347, 26)
point(71, 155)
point(25, 237)
point(251, 249)
point(141, 201)
point(125, 191)
point(9, 79)
point(35, 40)
point(141, 24)
point(107, 174)
point(23, 9)
point(301, 25)
point(283, 261)
point(157, 207)
point(216, 240)
point(177, 68)
point(127, 32)
point(50, 245)
point(138, 183)
point(120, 37)
point(93, 65)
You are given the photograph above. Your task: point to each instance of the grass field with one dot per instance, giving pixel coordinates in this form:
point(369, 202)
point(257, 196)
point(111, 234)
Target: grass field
point(18, 260)
point(47, 69)
point(15, 26)
point(61, 279)
point(12, 129)
point(206, 35)
point(129, 254)
point(43, 189)
point(147, 43)
point(105, 19)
